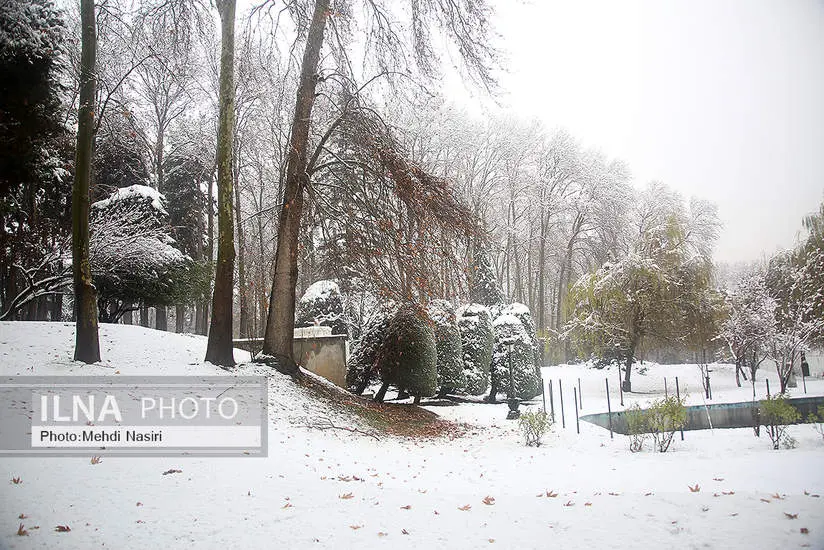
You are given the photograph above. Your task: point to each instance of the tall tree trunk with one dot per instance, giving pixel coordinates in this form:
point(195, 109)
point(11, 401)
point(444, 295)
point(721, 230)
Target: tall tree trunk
point(542, 277)
point(219, 348)
point(87, 345)
point(144, 316)
point(180, 318)
point(161, 322)
point(241, 267)
point(280, 323)
point(57, 307)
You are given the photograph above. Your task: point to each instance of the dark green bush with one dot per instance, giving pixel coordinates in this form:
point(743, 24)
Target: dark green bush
point(408, 358)
point(451, 376)
point(513, 347)
point(477, 339)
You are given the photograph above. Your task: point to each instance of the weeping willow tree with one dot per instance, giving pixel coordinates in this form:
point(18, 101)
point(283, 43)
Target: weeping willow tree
point(393, 46)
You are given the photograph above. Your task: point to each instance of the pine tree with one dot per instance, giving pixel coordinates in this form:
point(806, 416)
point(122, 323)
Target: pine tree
point(483, 285)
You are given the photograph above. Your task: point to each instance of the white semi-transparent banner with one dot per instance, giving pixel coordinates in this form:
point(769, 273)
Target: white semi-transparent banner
point(175, 437)
point(221, 415)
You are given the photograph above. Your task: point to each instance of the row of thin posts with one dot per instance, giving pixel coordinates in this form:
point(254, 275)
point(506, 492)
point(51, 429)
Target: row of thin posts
point(577, 397)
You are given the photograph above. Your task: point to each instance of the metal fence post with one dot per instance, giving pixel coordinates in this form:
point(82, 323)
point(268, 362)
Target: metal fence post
point(609, 409)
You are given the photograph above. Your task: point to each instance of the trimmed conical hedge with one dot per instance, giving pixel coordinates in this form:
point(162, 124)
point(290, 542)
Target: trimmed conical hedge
point(451, 376)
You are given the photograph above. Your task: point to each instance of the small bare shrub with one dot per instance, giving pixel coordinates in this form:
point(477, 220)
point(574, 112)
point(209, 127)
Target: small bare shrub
point(533, 425)
point(636, 427)
point(777, 414)
point(817, 421)
point(665, 417)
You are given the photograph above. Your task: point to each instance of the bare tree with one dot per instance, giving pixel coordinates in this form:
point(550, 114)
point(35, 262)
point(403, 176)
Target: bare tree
point(219, 349)
point(87, 346)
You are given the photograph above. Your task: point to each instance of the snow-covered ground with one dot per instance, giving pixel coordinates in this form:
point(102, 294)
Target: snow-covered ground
point(336, 489)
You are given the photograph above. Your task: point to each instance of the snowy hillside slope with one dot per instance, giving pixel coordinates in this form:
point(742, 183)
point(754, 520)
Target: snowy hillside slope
point(336, 489)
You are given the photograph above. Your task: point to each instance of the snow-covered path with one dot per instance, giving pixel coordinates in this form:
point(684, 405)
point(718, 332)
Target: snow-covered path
point(403, 492)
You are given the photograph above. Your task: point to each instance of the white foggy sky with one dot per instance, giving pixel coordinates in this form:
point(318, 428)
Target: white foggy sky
point(719, 99)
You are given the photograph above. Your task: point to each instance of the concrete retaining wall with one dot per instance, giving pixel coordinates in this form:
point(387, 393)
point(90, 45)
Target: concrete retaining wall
point(315, 349)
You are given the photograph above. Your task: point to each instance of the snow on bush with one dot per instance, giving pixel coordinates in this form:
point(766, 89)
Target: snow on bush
point(778, 414)
point(477, 339)
point(522, 312)
point(321, 304)
point(513, 346)
point(363, 361)
point(133, 256)
point(533, 425)
point(409, 357)
point(451, 376)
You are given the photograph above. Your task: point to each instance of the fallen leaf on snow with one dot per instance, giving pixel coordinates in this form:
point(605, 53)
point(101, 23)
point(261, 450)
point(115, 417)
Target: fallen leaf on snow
point(346, 496)
point(569, 503)
point(287, 505)
point(551, 494)
point(465, 508)
point(17, 480)
point(791, 516)
point(355, 527)
point(62, 528)
point(382, 534)
point(488, 500)
point(22, 516)
point(21, 531)
point(404, 531)
point(765, 500)
point(718, 479)
point(407, 507)
point(776, 496)
point(694, 489)
point(172, 471)
point(587, 504)
point(805, 531)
